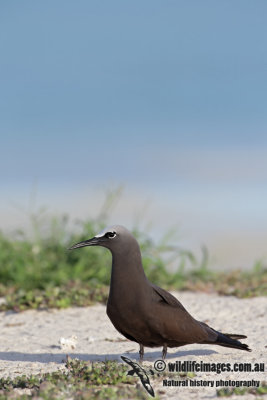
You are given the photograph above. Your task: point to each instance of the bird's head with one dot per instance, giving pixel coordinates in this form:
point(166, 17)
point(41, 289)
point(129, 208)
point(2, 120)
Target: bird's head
point(112, 237)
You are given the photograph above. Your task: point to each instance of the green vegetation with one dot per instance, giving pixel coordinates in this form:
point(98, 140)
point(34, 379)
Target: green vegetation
point(227, 392)
point(84, 380)
point(38, 270)
point(71, 294)
point(95, 380)
point(81, 380)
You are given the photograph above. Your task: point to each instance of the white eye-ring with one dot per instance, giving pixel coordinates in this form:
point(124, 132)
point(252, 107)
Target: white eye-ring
point(110, 235)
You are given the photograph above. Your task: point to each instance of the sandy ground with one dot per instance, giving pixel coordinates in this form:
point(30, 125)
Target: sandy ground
point(30, 341)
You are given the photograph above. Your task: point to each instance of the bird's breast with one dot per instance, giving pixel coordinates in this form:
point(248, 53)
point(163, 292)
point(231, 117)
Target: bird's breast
point(133, 321)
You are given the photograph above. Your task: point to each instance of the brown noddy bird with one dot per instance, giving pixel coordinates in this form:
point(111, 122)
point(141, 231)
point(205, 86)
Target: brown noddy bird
point(142, 311)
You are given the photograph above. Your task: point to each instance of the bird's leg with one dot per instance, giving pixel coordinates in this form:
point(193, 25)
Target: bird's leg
point(141, 352)
point(164, 351)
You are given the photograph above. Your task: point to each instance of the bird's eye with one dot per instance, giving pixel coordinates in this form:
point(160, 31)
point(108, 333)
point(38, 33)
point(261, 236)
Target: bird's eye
point(110, 235)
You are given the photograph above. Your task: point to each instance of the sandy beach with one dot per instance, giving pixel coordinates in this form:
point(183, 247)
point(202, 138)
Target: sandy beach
point(30, 341)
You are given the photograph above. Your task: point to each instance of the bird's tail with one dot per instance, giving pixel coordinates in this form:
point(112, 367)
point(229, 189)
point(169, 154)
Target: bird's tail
point(225, 339)
point(230, 340)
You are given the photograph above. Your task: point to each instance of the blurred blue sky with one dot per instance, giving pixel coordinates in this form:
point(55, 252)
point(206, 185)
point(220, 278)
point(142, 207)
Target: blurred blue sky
point(167, 97)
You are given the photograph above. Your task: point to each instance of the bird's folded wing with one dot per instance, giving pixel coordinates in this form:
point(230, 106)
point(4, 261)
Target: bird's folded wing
point(167, 297)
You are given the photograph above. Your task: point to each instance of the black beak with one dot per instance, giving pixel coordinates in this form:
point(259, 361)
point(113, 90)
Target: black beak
point(91, 242)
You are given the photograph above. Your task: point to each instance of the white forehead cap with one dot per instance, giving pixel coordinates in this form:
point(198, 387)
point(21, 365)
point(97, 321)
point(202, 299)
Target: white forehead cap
point(104, 231)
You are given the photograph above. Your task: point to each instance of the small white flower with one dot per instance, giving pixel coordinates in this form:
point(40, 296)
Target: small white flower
point(68, 343)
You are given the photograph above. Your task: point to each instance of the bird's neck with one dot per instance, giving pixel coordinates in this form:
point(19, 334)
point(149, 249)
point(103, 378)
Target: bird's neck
point(127, 274)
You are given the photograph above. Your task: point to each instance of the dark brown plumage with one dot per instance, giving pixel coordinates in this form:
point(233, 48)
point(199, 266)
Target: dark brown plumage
point(144, 312)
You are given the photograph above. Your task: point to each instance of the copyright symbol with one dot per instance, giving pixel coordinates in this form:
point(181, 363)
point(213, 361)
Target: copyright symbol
point(160, 365)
